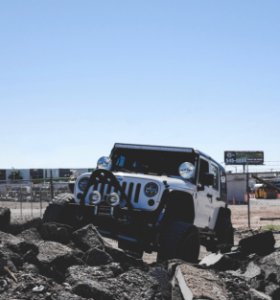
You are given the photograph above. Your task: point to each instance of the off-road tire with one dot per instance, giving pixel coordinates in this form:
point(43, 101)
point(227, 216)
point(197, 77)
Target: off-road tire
point(224, 230)
point(179, 240)
point(60, 210)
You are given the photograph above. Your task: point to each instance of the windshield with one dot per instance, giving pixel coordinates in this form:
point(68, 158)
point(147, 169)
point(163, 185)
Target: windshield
point(149, 161)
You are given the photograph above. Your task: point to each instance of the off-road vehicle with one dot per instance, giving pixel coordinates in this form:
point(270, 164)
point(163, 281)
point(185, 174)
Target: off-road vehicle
point(152, 198)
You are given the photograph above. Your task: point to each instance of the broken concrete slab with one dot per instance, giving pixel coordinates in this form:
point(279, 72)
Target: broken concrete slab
point(127, 261)
point(93, 289)
point(219, 262)
point(135, 284)
point(88, 237)
point(54, 258)
point(16, 244)
point(198, 283)
point(257, 295)
point(97, 257)
point(98, 273)
point(30, 235)
point(270, 264)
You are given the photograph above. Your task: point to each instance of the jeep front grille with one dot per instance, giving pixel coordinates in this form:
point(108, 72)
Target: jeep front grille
point(131, 189)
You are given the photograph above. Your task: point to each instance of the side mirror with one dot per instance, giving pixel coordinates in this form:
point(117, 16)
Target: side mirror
point(208, 179)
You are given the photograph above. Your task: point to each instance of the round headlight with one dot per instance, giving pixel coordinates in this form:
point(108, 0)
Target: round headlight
point(151, 189)
point(114, 199)
point(82, 184)
point(95, 198)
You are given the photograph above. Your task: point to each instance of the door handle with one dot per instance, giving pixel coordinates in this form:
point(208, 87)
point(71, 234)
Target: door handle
point(210, 196)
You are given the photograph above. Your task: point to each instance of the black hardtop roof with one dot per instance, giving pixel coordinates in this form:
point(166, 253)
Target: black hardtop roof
point(164, 148)
point(154, 147)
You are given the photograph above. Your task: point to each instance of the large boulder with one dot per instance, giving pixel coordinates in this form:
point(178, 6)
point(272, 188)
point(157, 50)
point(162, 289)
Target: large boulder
point(5, 217)
point(31, 235)
point(261, 243)
point(135, 284)
point(97, 257)
point(92, 282)
point(88, 237)
point(108, 282)
point(54, 258)
point(98, 273)
point(56, 232)
point(16, 244)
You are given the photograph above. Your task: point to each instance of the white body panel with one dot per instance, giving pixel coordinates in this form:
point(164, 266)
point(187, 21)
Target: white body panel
point(206, 208)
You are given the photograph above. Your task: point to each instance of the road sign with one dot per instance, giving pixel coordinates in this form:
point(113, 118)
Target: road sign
point(244, 157)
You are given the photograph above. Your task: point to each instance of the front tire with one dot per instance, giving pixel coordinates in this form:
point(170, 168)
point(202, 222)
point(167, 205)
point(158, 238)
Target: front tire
point(61, 211)
point(179, 240)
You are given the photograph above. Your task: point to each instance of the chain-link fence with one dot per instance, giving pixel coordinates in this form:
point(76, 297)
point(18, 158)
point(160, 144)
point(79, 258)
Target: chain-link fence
point(28, 199)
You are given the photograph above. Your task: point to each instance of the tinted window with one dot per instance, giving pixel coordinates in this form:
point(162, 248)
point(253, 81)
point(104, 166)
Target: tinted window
point(215, 171)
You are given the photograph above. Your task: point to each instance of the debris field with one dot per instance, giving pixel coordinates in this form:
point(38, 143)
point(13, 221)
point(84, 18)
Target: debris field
point(58, 262)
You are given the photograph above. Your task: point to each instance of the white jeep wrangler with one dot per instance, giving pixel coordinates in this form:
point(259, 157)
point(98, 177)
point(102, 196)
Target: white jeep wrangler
point(152, 198)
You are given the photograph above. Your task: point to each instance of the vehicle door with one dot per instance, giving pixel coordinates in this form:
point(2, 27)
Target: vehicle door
point(204, 196)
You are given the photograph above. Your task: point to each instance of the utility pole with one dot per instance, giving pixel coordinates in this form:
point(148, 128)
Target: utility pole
point(51, 184)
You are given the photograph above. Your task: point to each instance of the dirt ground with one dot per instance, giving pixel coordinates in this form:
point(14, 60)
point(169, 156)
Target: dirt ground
point(259, 210)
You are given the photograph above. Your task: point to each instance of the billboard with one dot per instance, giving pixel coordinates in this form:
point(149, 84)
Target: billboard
point(244, 157)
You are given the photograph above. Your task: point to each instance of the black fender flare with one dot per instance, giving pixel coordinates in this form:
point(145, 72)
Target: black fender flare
point(178, 206)
point(223, 227)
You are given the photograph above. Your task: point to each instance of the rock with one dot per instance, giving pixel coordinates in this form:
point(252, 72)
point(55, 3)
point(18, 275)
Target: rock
point(97, 257)
point(135, 284)
point(54, 258)
point(162, 276)
point(7, 260)
point(237, 287)
point(30, 235)
point(252, 271)
point(16, 249)
point(257, 295)
point(261, 243)
point(200, 283)
point(97, 273)
point(88, 237)
point(3, 285)
point(56, 232)
point(273, 290)
point(93, 289)
point(5, 217)
point(107, 282)
point(64, 295)
point(17, 228)
point(30, 268)
point(220, 262)
point(126, 261)
point(270, 265)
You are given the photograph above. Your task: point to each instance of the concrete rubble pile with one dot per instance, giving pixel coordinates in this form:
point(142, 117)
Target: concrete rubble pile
point(56, 262)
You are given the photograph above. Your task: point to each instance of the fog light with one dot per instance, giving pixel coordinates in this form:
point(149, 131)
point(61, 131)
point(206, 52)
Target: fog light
point(151, 202)
point(95, 198)
point(114, 199)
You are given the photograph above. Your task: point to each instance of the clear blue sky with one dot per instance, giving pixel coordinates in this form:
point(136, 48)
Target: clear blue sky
point(78, 76)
